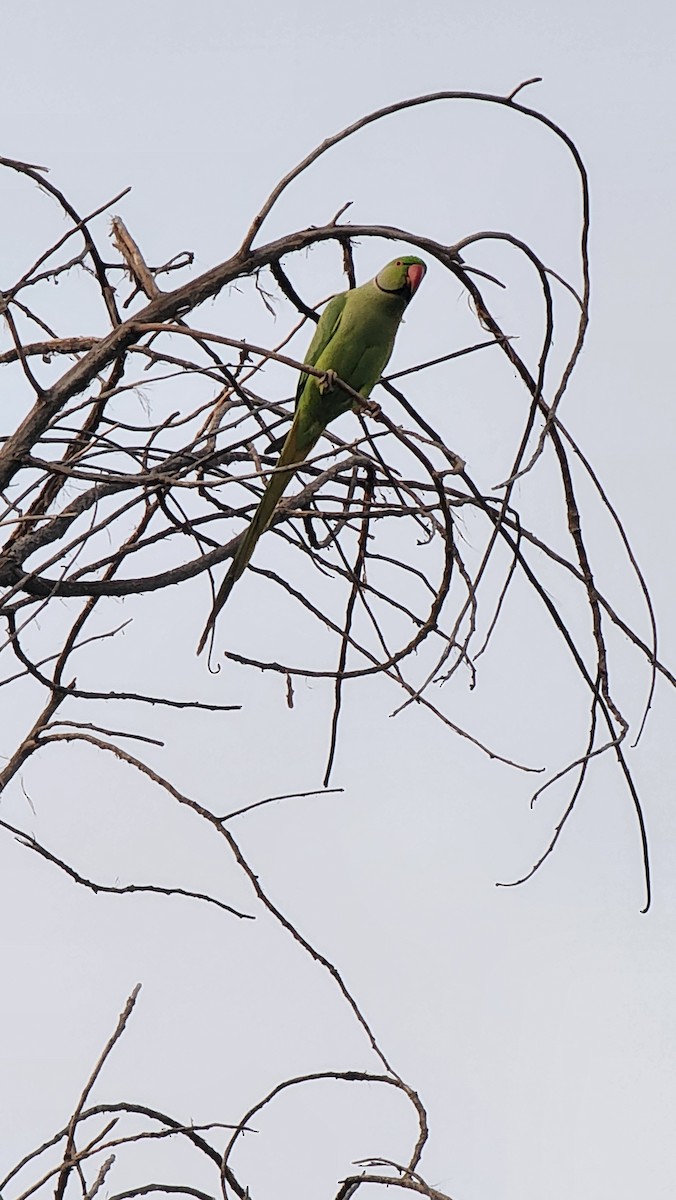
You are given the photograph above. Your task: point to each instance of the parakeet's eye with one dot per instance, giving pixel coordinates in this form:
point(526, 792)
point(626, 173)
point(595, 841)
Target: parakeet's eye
point(399, 263)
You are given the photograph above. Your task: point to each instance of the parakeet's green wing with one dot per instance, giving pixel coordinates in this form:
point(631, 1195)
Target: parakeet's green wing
point(326, 327)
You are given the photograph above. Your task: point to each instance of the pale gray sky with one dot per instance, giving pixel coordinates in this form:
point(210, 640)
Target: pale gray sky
point(538, 1024)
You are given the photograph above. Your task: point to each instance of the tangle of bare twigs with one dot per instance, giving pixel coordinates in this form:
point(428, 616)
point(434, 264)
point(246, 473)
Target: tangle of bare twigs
point(97, 506)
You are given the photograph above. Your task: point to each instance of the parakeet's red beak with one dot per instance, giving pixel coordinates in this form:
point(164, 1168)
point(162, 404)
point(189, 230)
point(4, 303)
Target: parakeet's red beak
point(414, 276)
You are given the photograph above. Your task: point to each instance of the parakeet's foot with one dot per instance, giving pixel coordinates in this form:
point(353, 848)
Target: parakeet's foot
point(368, 408)
point(327, 381)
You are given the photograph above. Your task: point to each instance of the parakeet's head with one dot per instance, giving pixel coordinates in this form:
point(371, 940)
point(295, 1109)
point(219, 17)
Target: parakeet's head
point(402, 276)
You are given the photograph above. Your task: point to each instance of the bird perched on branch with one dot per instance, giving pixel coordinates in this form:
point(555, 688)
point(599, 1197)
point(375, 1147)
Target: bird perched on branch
point(353, 342)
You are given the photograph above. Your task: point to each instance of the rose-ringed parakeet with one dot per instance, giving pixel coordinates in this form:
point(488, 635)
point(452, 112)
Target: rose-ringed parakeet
point(353, 341)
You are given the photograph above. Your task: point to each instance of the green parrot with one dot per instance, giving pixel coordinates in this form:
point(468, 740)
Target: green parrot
point(353, 341)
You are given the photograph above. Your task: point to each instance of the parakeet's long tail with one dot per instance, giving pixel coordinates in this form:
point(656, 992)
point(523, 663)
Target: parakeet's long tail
point(279, 481)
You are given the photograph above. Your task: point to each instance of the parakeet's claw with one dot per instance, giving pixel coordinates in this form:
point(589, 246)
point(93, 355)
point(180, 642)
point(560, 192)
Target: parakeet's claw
point(327, 381)
point(367, 408)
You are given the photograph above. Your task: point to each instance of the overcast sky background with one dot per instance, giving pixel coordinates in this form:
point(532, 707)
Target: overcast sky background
point(539, 1023)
